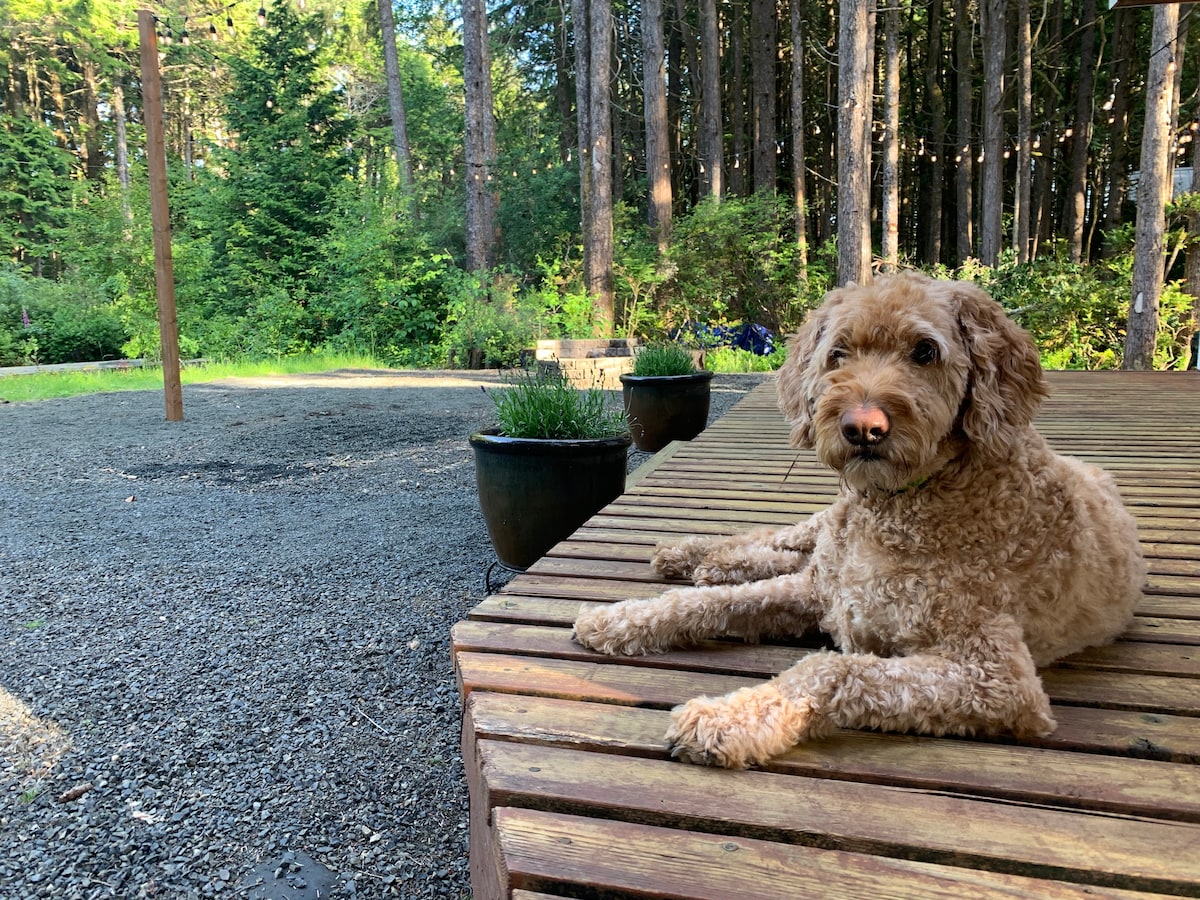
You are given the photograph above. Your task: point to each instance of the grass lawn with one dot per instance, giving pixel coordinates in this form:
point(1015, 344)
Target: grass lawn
point(44, 385)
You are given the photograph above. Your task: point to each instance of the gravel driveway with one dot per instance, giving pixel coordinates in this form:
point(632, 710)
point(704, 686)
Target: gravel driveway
point(224, 643)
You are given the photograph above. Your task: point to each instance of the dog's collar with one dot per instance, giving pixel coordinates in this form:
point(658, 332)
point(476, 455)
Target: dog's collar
point(915, 485)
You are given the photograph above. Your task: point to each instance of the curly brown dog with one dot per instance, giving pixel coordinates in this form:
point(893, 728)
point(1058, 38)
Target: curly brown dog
point(960, 554)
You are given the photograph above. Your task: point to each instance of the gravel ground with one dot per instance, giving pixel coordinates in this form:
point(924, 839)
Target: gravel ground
point(224, 643)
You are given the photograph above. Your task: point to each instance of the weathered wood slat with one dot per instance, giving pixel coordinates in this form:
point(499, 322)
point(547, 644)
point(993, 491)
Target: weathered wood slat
point(1124, 785)
point(619, 859)
point(649, 681)
point(1106, 850)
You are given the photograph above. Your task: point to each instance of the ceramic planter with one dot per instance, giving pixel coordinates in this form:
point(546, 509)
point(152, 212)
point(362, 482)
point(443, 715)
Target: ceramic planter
point(536, 492)
point(665, 408)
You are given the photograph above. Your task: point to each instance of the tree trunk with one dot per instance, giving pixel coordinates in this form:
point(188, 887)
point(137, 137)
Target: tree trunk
point(122, 148)
point(710, 139)
point(764, 45)
point(964, 158)
point(797, 104)
point(1124, 33)
point(1023, 194)
point(1082, 133)
point(92, 138)
point(658, 154)
point(1154, 191)
point(391, 65)
point(1046, 144)
point(992, 173)
point(480, 138)
point(889, 173)
point(855, 65)
point(937, 136)
point(737, 99)
point(593, 53)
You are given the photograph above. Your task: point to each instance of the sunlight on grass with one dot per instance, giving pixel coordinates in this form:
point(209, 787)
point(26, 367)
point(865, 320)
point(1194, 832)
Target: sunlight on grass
point(45, 385)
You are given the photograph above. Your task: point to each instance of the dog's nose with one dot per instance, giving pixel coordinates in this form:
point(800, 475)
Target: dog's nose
point(865, 425)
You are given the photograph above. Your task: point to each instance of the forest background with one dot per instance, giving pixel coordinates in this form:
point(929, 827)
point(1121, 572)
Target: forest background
point(593, 167)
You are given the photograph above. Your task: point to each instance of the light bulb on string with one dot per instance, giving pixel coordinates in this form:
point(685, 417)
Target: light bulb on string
point(212, 31)
point(262, 17)
point(184, 37)
point(229, 25)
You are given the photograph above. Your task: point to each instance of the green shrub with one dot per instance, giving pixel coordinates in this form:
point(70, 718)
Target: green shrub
point(484, 320)
point(735, 261)
point(663, 358)
point(546, 405)
point(733, 360)
point(1077, 313)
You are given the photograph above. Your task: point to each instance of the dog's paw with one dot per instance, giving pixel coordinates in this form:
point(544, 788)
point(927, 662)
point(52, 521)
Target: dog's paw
point(680, 560)
point(745, 728)
point(608, 629)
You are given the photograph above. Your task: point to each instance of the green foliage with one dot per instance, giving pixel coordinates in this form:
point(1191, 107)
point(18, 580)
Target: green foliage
point(387, 285)
point(538, 212)
point(485, 323)
point(1076, 313)
point(733, 360)
point(735, 261)
point(272, 214)
point(638, 274)
point(43, 321)
point(34, 187)
point(664, 358)
point(545, 405)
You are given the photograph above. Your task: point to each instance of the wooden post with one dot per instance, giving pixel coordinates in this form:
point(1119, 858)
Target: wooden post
point(160, 216)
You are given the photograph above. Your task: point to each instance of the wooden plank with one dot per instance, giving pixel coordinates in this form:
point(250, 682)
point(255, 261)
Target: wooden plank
point(1128, 656)
point(1148, 693)
point(1128, 725)
point(581, 856)
point(532, 610)
point(1120, 785)
point(1111, 851)
point(1143, 660)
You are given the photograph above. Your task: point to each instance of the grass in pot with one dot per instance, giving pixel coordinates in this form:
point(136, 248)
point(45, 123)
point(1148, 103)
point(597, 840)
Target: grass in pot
point(666, 397)
point(556, 457)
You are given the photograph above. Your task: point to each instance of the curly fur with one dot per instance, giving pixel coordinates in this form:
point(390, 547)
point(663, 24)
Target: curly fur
point(961, 553)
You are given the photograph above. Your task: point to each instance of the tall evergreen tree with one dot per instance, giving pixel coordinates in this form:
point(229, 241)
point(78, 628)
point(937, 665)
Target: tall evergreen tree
point(290, 136)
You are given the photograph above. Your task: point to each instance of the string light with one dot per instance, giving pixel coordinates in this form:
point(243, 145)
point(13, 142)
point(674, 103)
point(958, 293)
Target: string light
point(229, 25)
point(212, 31)
point(262, 17)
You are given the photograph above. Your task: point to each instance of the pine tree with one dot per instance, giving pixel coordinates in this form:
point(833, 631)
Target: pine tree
point(290, 138)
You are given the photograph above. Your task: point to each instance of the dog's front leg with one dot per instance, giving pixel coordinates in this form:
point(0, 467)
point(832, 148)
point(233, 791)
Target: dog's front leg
point(989, 685)
point(682, 616)
point(735, 559)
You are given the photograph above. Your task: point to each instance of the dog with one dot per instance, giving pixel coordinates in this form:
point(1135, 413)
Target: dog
point(960, 555)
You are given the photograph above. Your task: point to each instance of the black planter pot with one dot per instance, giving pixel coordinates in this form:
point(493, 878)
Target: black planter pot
point(665, 408)
point(535, 492)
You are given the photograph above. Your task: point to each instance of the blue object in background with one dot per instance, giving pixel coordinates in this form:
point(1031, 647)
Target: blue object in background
point(748, 336)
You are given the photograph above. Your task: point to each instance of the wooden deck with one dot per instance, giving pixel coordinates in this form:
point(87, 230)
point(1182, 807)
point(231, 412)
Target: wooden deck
point(573, 795)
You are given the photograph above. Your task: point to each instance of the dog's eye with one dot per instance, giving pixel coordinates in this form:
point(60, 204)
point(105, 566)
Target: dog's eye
point(836, 355)
point(925, 353)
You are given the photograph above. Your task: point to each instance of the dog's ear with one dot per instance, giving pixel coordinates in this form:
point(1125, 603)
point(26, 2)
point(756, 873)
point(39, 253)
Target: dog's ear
point(798, 376)
point(1006, 385)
